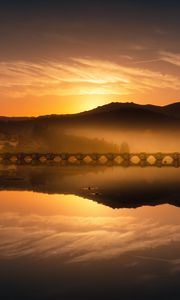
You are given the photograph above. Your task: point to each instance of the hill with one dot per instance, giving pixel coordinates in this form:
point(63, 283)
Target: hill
point(112, 123)
point(126, 114)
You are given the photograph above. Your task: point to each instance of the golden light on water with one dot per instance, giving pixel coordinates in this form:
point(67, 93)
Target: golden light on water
point(79, 229)
point(44, 204)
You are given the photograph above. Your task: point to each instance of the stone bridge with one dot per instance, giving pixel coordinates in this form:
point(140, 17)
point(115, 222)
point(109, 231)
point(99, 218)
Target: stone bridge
point(122, 159)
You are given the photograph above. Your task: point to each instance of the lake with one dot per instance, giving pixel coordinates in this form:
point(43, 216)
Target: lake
point(89, 233)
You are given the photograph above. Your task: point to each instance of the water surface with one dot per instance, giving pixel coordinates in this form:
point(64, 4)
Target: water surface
point(67, 241)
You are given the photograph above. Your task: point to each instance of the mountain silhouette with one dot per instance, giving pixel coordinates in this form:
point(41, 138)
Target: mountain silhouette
point(125, 114)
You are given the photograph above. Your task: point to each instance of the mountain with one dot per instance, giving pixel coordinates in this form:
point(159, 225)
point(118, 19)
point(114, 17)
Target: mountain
point(152, 125)
point(126, 114)
point(172, 109)
point(136, 111)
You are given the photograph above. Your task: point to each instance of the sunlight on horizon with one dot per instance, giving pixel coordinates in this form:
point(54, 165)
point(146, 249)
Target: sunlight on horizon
point(48, 87)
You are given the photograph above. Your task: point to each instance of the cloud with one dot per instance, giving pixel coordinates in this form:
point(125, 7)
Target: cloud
point(79, 77)
point(171, 58)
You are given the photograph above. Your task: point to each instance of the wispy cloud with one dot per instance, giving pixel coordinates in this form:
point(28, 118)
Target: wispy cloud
point(79, 77)
point(172, 58)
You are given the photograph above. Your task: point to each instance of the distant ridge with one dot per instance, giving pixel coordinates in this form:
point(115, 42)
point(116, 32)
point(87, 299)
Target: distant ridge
point(113, 115)
point(172, 109)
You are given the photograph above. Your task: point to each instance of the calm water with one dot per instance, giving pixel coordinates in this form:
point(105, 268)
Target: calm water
point(74, 233)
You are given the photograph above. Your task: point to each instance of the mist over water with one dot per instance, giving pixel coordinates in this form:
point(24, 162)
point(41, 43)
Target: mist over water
point(137, 140)
point(89, 140)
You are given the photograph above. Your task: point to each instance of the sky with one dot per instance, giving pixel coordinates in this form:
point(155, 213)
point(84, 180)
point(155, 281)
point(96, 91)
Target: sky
point(70, 56)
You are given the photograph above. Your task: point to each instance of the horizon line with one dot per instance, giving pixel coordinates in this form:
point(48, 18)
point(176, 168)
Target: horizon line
point(84, 111)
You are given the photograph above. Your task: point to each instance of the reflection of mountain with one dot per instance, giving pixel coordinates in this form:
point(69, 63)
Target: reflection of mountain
point(114, 187)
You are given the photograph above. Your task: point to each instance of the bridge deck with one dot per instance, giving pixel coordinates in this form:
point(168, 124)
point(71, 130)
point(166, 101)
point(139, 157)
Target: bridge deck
point(123, 159)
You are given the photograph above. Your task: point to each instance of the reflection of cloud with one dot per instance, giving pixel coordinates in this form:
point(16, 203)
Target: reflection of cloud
point(80, 238)
point(78, 77)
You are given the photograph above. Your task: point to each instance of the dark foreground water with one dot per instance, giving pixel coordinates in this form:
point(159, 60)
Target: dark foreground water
point(72, 233)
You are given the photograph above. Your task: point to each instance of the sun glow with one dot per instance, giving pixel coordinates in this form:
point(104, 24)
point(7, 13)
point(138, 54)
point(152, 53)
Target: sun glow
point(76, 85)
point(93, 101)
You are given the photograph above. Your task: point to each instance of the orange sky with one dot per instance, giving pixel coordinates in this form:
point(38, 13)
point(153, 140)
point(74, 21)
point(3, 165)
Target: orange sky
point(81, 84)
point(73, 56)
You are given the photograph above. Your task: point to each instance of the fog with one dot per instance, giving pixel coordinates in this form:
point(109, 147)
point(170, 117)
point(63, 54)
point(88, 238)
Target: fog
point(87, 139)
point(136, 140)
